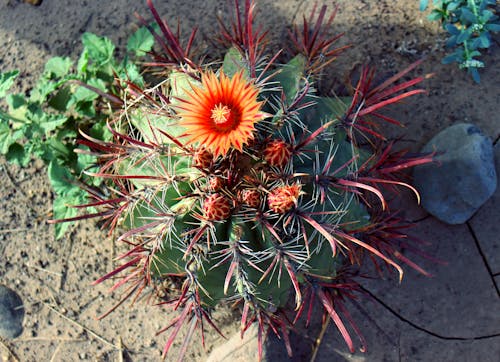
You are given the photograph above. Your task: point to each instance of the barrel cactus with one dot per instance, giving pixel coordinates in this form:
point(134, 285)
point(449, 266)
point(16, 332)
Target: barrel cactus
point(244, 184)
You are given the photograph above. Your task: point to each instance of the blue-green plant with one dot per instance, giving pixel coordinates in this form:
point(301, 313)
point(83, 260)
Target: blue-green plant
point(469, 24)
point(68, 97)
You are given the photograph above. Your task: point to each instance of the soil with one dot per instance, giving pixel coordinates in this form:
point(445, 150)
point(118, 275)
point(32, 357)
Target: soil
point(55, 278)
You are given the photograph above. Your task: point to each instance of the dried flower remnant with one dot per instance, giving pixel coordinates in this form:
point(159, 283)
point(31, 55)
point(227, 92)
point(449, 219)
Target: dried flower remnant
point(282, 199)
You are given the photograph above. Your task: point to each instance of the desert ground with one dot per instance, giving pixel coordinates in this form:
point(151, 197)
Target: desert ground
point(448, 317)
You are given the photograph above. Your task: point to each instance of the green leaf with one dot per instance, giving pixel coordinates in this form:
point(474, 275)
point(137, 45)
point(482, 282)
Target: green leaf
point(290, 77)
point(454, 57)
point(83, 62)
point(234, 62)
point(464, 35)
point(486, 15)
point(85, 161)
point(452, 29)
point(84, 94)
point(60, 101)
point(130, 71)
point(423, 4)
point(60, 178)
point(453, 6)
point(18, 108)
point(140, 42)
point(435, 16)
point(49, 122)
point(101, 131)
point(7, 137)
point(99, 49)
point(58, 67)
point(42, 89)
point(493, 27)
point(66, 132)
point(15, 101)
point(482, 41)
point(18, 155)
point(475, 75)
point(329, 108)
point(86, 109)
point(57, 149)
point(62, 208)
point(6, 81)
point(468, 16)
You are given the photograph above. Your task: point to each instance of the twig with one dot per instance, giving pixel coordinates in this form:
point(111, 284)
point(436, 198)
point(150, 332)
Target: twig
point(319, 340)
point(88, 330)
point(10, 353)
point(6, 231)
point(120, 351)
point(44, 270)
point(49, 339)
point(52, 359)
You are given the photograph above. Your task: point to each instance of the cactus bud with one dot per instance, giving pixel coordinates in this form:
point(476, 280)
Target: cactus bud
point(216, 207)
point(283, 198)
point(250, 197)
point(215, 183)
point(203, 159)
point(277, 153)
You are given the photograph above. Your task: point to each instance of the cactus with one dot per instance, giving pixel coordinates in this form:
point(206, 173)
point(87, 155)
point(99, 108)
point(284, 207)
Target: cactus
point(246, 185)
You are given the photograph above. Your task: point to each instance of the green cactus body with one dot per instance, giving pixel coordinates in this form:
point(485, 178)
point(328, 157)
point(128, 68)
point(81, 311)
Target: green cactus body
point(248, 248)
point(250, 187)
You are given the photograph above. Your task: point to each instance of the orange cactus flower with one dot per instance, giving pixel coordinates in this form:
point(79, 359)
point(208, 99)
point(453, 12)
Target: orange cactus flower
point(221, 113)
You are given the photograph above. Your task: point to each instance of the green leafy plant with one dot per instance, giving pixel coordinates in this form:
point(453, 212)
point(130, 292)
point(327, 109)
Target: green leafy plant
point(470, 24)
point(67, 98)
point(242, 184)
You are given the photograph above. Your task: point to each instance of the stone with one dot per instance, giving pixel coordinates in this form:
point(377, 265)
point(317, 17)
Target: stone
point(11, 313)
point(463, 178)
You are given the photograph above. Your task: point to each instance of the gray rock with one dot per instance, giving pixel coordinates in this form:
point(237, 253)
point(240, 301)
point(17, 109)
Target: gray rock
point(11, 313)
point(465, 177)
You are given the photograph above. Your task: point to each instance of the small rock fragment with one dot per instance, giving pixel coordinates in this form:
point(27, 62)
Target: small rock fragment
point(464, 178)
point(33, 2)
point(11, 313)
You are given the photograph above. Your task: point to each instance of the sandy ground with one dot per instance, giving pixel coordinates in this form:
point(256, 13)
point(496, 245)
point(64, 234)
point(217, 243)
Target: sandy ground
point(452, 309)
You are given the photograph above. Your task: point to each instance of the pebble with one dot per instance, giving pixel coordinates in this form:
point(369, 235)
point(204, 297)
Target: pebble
point(464, 176)
point(11, 313)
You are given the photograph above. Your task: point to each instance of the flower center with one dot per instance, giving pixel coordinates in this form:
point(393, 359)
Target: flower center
point(221, 114)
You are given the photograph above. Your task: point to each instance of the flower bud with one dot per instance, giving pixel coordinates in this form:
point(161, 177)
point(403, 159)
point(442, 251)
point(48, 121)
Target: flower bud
point(277, 153)
point(216, 207)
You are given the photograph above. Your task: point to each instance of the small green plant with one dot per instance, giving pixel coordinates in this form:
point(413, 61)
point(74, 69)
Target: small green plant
point(241, 183)
point(469, 23)
point(68, 98)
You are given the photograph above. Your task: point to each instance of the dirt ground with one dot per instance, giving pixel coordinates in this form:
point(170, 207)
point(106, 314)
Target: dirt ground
point(457, 305)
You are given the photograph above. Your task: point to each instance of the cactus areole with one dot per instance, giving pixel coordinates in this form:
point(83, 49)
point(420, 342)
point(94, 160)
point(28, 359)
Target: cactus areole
point(245, 184)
